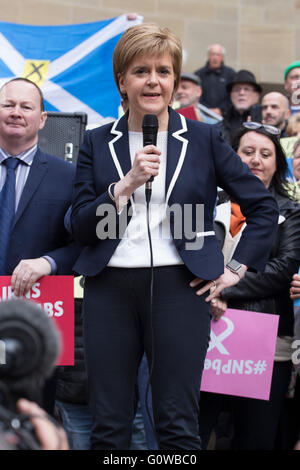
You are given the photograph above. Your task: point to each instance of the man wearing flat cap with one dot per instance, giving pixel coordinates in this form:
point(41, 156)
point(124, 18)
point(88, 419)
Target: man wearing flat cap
point(188, 93)
point(244, 95)
point(292, 85)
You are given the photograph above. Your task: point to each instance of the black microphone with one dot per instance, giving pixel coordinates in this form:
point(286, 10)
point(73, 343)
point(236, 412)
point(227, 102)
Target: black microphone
point(31, 345)
point(150, 129)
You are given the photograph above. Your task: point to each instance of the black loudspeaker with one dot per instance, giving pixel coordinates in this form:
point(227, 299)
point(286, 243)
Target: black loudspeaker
point(63, 134)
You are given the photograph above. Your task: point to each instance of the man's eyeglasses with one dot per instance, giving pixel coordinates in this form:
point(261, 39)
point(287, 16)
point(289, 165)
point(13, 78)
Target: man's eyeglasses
point(257, 125)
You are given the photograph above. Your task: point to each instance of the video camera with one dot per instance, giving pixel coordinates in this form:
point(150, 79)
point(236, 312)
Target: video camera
point(29, 348)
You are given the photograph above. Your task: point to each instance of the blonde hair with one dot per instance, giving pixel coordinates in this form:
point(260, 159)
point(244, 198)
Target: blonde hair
point(146, 39)
point(296, 145)
point(295, 118)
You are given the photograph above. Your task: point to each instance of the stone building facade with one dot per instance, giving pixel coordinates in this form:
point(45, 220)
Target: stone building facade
point(260, 35)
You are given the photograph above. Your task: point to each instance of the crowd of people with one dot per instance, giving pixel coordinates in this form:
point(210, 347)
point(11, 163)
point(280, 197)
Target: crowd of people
point(147, 304)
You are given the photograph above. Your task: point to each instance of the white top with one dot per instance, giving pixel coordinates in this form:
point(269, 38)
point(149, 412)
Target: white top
point(133, 250)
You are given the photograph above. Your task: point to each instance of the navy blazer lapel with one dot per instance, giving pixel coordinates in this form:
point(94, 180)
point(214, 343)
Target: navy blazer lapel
point(177, 147)
point(36, 174)
point(119, 146)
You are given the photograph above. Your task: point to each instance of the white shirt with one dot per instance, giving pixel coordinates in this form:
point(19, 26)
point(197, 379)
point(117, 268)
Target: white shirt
point(133, 250)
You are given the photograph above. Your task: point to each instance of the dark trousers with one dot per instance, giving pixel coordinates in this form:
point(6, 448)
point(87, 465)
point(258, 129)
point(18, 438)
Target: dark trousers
point(117, 330)
point(145, 398)
point(255, 422)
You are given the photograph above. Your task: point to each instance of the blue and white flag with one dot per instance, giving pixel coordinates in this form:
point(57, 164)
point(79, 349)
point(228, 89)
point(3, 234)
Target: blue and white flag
point(72, 64)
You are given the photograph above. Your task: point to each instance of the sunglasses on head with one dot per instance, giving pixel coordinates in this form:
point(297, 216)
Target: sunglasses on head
point(257, 125)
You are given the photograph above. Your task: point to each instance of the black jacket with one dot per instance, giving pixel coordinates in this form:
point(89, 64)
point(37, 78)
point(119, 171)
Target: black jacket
point(268, 291)
point(214, 93)
point(233, 120)
point(72, 380)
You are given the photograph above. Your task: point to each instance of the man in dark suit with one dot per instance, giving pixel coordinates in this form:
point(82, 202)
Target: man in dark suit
point(36, 190)
point(38, 243)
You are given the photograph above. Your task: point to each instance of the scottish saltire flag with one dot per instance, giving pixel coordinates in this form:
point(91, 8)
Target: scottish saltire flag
point(71, 64)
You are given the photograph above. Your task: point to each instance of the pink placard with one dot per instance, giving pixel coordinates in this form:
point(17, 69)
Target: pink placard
point(240, 356)
point(55, 294)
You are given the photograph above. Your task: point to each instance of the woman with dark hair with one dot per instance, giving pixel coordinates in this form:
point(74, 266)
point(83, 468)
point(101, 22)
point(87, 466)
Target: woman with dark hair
point(256, 421)
point(275, 179)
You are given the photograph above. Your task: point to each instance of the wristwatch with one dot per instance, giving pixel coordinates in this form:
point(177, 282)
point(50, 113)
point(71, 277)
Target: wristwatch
point(234, 266)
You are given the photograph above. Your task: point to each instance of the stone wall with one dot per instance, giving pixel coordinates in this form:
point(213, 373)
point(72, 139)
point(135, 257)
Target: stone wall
point(260, 35)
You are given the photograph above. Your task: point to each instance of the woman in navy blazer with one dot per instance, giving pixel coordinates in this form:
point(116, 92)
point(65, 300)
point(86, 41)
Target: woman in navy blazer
point(128, 307)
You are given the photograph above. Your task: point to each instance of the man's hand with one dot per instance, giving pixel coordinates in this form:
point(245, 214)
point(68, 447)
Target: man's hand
point(295, 287)
point(27, 272)
point(50, 436)
point(217, 308)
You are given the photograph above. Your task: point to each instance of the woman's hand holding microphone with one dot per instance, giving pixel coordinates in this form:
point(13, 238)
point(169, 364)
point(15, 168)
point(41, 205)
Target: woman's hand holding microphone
point(145, 164)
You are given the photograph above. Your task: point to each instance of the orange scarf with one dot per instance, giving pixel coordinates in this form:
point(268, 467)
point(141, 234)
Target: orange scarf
point(237, 219)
